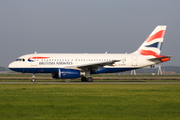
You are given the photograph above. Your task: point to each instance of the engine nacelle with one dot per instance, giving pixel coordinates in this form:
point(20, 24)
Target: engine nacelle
point(68, 74)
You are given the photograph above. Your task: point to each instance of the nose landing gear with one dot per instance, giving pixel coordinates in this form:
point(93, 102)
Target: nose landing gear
point(33, 77)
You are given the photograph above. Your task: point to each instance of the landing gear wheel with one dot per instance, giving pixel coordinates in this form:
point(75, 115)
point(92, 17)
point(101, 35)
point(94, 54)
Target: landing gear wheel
point(33, 77)
point(83, 79)
point(89, 79)
point(33, 80)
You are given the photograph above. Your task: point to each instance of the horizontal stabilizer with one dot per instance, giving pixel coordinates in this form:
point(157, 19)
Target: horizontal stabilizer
point(162, 59)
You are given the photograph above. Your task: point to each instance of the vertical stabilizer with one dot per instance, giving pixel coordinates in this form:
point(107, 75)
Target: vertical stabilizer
point(153, 44)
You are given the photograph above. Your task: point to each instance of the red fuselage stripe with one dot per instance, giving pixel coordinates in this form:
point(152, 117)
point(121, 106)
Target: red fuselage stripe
point(38, 57)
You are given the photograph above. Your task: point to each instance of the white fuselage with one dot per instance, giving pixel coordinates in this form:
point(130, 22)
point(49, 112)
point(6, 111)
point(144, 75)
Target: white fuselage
point(46, 61)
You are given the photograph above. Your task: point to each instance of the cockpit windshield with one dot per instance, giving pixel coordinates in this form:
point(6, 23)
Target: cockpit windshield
point(20, 59)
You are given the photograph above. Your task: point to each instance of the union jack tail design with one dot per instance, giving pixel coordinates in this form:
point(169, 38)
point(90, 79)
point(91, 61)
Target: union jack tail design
point(153, 44)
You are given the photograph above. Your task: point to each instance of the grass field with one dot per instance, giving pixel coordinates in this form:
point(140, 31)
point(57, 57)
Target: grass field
point(89, 102)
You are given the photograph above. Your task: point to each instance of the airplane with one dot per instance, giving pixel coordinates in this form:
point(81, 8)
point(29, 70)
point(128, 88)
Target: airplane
point(71, 66)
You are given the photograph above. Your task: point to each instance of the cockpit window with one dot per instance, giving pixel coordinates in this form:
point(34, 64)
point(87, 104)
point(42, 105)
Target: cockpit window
point(20, 59)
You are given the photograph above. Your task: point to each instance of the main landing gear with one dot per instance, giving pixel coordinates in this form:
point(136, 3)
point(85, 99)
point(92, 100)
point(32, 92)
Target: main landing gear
point(33, 77)
point(88, 79)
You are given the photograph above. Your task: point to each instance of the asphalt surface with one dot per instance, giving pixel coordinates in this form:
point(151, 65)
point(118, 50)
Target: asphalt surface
point(89, 82)
point(99, 78)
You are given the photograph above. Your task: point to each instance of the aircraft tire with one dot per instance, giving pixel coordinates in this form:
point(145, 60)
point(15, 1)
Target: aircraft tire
point(83, 79)
point(89, 79)
point(33, 80)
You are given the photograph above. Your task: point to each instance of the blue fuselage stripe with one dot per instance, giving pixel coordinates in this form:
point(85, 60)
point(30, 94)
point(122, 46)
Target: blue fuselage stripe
point(55, 70)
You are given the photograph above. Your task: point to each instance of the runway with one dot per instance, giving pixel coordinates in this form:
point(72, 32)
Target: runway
point(89, 82)
point(98, 78)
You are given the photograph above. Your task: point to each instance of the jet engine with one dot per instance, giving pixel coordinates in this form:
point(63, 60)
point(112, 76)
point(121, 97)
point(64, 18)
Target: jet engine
point(68, 74)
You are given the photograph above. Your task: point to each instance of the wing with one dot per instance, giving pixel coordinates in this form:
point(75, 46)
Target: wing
point(94, 66)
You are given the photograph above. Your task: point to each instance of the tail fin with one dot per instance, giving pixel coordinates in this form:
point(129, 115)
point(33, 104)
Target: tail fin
point(153, 44)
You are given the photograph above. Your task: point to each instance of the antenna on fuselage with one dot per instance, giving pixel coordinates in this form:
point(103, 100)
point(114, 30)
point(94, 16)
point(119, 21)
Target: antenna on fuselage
point(35, 52)
point(106, 52)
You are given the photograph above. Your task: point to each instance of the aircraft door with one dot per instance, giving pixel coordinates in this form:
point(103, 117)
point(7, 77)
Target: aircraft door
point(134, 60)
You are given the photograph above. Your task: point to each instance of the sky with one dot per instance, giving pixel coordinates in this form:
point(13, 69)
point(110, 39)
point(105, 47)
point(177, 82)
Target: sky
point(85, 26)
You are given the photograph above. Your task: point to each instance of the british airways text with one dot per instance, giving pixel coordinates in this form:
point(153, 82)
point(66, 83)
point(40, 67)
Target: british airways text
point(55, 63)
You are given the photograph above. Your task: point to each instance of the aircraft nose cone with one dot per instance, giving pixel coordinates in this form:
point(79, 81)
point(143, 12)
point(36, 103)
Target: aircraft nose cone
point(11, 65)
